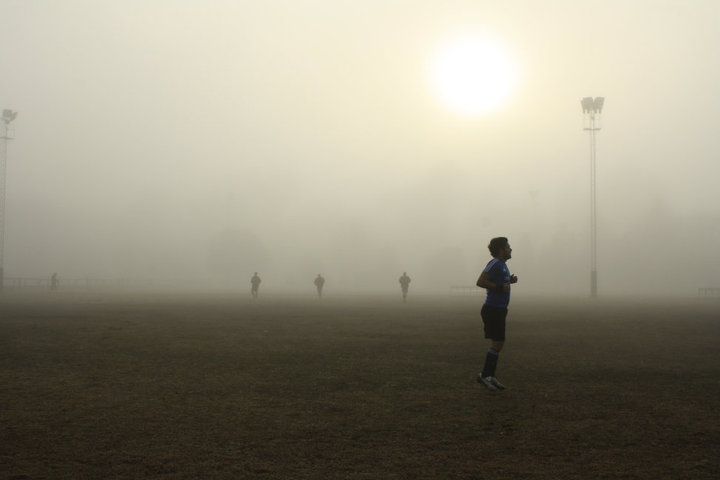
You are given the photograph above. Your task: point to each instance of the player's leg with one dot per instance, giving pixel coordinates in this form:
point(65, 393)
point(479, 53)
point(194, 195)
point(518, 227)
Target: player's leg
point(491, 359)
point(494, 325)
point(497, 345)
point(494, 355)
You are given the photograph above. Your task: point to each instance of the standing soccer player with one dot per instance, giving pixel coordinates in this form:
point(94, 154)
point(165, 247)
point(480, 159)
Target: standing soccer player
point(255, 285)
point(404, 285)
point(496, 279)
point(319, 283)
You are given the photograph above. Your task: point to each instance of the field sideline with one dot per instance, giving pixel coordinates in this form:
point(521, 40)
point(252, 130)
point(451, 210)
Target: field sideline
point(114, 386)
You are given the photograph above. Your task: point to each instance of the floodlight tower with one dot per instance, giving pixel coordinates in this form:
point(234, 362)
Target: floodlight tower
point(592, 108)
point(7, 117)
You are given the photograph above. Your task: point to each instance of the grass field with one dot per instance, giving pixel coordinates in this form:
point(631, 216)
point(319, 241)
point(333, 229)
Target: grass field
point(211, 386)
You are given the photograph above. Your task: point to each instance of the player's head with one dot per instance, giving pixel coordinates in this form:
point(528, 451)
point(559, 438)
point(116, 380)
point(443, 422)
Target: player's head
point(500, 248)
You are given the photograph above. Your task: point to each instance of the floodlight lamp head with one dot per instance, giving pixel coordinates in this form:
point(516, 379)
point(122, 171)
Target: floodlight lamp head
point(8, 116)
point(587, 104)
point(598, 104)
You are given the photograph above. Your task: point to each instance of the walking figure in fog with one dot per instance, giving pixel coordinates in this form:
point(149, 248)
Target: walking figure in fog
point(255, 285)
point(319, 283)
point(496, 279)
point(404, 285)
point(54, 281)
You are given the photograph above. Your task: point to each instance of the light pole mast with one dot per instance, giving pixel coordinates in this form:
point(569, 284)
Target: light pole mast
point(592, 108)
point(7, 117)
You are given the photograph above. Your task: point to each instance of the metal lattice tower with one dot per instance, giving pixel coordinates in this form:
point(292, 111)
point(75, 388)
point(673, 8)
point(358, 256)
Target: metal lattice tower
point(592, 108)
point(7, 117)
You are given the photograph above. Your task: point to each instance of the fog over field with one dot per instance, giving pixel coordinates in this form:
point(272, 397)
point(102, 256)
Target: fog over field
point(206, 140)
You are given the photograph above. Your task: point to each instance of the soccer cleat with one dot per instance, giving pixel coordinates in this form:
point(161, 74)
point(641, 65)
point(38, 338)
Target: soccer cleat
point(487, 381)
point(497, 383)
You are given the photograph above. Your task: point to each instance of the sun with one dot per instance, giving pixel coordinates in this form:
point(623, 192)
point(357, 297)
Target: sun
point(473, 75)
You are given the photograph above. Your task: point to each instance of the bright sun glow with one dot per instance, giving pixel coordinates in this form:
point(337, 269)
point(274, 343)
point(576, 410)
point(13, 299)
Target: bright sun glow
point(473, 75)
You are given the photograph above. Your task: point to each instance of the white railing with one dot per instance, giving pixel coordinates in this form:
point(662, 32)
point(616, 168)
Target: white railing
point(709, 292)
point(465, 291)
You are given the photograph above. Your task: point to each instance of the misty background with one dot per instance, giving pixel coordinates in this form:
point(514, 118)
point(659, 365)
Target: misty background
point(208, 140)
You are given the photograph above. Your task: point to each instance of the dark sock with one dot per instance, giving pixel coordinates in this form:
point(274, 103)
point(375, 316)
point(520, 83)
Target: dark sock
point(491, 360)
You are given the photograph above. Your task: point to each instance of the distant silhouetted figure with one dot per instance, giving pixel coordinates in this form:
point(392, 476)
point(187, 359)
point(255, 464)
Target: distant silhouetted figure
point(404, 285)
point(496, 279)
point(319, 282)
point(54, 281)
point(255, 285)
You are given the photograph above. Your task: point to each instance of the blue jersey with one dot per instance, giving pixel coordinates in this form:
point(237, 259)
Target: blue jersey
point(499, 274)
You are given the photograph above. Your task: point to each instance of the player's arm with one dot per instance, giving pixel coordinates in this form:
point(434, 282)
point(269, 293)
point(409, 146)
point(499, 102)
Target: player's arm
point(485, 282)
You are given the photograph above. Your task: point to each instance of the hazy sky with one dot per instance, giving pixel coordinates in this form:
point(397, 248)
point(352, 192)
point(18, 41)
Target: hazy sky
point(210, 139)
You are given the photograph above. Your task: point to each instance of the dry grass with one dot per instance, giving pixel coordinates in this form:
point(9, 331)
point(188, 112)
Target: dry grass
point(189, 387)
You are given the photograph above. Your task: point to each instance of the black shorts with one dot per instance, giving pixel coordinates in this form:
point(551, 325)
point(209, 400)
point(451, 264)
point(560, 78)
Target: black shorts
point(494, 321)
